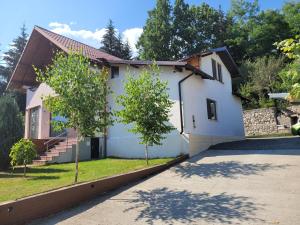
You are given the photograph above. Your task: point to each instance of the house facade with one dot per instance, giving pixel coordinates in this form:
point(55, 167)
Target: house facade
point(205, 109)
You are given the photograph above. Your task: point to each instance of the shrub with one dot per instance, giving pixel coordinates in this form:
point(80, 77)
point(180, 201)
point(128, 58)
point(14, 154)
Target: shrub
point(22, 153)
point(11, 127)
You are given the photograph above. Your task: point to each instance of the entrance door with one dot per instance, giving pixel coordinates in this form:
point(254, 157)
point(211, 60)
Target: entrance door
point(95, 148)
point(34, 123)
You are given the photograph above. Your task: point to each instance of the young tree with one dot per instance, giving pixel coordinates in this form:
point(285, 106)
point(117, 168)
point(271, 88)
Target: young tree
point(113, 44)
point(81, 95)
point(11, 127)
point(291, 74)
point(146, 105)
point(11, 58)
point(22, 153)
point(155, 41)
point(260, 77)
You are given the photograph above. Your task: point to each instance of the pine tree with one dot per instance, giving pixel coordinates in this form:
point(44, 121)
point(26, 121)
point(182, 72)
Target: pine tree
point(110, 42)
point(155, 41)
point(113, 44)
point(11, 58)
point(2, 78)
point(126, 50)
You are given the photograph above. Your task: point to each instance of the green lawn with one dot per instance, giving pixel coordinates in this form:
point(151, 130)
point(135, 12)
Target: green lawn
point(44, 178)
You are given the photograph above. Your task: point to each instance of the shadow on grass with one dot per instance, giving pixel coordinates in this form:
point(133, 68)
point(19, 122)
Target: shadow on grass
point(229, 169)
point(42, 177)
point(167, 206)
point(35, 173)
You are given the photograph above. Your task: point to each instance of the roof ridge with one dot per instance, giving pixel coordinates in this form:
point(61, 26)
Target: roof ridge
point(44, 29)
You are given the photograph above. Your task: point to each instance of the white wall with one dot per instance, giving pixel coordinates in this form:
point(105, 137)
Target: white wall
point(125, 144)
point(195, 91)
point(229, 109)
point(34, 99)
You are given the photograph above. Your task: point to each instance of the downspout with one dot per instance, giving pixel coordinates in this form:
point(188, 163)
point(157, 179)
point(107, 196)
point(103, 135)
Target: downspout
point(180, 101)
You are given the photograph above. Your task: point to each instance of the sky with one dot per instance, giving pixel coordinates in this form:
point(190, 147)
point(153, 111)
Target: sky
point(85, 20)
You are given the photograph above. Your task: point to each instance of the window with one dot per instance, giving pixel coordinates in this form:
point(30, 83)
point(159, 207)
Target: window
point(34, 122)
point(220, 76)
point(217, 70)
point(211, 109)
point(114, 72)
point(214, 68)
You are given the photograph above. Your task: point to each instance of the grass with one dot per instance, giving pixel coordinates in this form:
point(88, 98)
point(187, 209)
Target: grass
point(44, 178)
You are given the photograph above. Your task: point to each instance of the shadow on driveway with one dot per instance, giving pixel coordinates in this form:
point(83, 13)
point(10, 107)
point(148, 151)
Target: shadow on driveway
point(186, 207)
point(227, 169)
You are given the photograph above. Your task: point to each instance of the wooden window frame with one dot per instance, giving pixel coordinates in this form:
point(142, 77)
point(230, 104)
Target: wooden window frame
point(113, 69)
point(211, 115)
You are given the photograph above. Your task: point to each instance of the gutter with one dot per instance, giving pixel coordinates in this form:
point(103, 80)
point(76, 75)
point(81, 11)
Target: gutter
point(180, 101)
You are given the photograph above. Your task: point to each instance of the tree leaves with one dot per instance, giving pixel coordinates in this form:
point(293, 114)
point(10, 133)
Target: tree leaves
point(146, 105)
point(81, 93)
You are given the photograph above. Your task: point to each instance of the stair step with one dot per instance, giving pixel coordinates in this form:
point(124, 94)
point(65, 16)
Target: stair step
point(51, 154)
point(39, 162)
point(61, 147)
point(46, 158)
point(55, 151)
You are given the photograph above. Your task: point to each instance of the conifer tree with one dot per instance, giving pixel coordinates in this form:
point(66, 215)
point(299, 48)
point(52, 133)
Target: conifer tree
point(155, 41)
point(113, 44)
point(11, 58)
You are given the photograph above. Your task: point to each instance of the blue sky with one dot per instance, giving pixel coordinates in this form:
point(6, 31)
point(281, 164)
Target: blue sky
point(84, 20)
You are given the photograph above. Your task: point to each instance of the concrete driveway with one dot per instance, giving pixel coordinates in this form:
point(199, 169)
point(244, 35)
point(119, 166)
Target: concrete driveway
point(216, 187)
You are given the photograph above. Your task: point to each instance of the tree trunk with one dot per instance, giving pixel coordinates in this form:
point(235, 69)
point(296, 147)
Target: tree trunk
point(24, 170)
point(105, 125)
point(77, 159)
point(146, 154)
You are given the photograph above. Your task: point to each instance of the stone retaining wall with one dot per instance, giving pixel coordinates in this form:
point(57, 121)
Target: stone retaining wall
point(267, 121)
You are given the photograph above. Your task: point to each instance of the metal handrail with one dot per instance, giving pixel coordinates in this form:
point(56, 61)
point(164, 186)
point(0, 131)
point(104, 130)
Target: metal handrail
point(58, 137)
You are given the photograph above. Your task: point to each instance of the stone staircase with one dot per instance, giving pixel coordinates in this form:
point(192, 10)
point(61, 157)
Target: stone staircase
point(57, 153)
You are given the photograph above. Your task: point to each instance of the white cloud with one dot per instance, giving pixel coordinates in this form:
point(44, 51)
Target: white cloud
point(132, 35)
point(94, 38)
point(89, 37)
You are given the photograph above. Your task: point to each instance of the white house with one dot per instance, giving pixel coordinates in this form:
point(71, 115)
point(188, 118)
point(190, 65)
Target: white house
point(205, 109)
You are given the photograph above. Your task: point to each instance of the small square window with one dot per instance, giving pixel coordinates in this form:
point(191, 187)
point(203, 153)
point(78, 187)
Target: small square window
point(211, 109)
point(114, 72)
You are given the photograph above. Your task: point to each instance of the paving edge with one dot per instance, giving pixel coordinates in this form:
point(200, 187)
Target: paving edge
point(33, 207)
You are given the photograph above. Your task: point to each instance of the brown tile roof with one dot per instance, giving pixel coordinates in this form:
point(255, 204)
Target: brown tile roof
point(68, 44)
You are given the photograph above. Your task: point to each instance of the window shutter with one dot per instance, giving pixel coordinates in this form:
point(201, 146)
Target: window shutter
point(220, 75)
point(208, 108)
point(214, 69)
